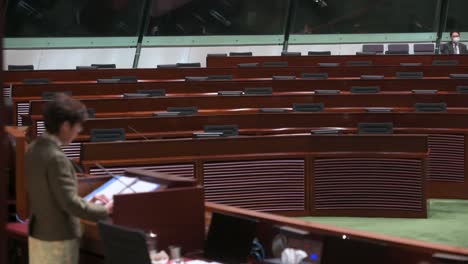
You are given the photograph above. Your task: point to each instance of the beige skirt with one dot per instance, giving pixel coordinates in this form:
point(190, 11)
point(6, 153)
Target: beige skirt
point(53, 252)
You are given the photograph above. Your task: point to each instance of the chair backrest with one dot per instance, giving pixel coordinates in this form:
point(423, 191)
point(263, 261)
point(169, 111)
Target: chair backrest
point(190, 110)
point(21, 67)
point(310, 107)
point(318, 75)
point(123, 245)
point(359, 63)
point(229, 238)
point(398, 49)
point(375, 48)
point(319, 53)
point(275, 64)
point(189, 65)
point(227, 130)
point(290, 53)
point(166, 66)
point(365, 89)
point(427, 48)
point(375, 128)
point(104, 66)
point(240, 54)
point(258, 91)
point(248, 65)
point(126, 79)
point(36, 81)
point(216, 55)
point(445, 62)
point(430, 107)
point(153, 93)
point(107, 134)
point(409, 75)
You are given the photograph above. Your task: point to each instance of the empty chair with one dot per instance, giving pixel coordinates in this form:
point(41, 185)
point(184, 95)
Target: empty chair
point(107, 134)
point(409, 75)
point(166, 66)
point(328, 64)
point(190, 110)
point(372, 77)
point(104, 66)
point(425, 91)
point(219, 77)
point(272, 110)
point(375, 128)
point(258, 91)
point(316, 76)
point(290, 53)
point(397, 49)
point(318, 91)
point(359, 63)
point(248, 65)
point(189, 65)
point(275, 64)
point(217, 55)
point(36, 81)
point(52, 95)
point(107, 80)
point(123, 245)
point(21, 67)
point(373, 48)
point(277, 78)
point(445, 62)
point(135, 95)
point(153, 93)
point(365, 89)
point(230, 93)
point(126, 79)
point(311, 107)
point(85, 68)
point(195, 78)
point(458, 76)
point(462, 89)
point(430, 107)
point(240, 54)
point(427, 48)
point(226, 130)
point(362, 53)
point(411, 64)
point(319, 53)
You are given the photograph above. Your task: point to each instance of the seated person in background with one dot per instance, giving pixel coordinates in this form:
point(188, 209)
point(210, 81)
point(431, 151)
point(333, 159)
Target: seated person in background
point(56, 208)
point(454, 46)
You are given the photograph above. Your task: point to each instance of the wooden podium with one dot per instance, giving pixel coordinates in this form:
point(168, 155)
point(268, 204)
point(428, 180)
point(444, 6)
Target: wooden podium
point(176, 214)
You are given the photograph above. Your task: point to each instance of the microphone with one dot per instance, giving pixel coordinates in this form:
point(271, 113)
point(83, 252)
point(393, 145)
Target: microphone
point(138, 133)
point(114, 176)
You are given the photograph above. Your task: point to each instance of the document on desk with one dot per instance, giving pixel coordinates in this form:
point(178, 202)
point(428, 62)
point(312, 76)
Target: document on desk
point(122, 185)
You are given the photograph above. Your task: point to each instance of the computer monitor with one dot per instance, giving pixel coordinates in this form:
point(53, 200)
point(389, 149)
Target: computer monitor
point(230, 238)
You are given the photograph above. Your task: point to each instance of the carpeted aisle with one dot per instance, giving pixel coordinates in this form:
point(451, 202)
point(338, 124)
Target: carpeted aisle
point(447, 223)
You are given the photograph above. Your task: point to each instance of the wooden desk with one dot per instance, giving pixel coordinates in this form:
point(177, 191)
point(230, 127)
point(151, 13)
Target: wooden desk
point(12, 77)
point(288, 174)
point(25, 92)
point(377, 60)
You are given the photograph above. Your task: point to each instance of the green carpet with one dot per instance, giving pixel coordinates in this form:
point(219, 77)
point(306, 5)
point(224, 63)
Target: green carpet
point(447, 224)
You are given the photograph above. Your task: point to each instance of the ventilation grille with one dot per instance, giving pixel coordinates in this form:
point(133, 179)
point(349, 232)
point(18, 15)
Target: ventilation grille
point(73, 150)
point(366, 184)
point(181, 170)
point(268, 185)
point(447, 158)
point(6, 92)
point(40, 126)
point(21, 109)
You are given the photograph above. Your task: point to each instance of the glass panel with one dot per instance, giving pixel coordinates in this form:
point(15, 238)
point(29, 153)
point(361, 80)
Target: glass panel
point(456, 20)
point(364, 16)
point(217, 17)
point(73, 18)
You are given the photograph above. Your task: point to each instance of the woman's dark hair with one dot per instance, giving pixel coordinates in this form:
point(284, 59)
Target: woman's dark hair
point(63, 109)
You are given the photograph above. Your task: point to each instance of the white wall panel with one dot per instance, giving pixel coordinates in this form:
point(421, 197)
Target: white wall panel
point(70, 58)
point(152, 56)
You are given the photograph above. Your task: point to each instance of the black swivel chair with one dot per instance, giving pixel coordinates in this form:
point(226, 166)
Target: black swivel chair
point(123, 245)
